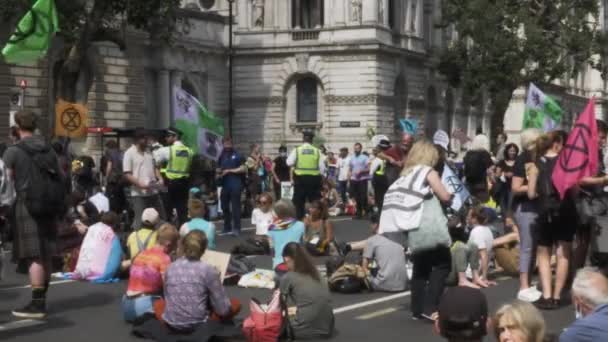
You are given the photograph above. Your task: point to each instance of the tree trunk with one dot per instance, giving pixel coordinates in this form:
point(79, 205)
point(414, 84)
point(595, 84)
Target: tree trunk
point(500, 103)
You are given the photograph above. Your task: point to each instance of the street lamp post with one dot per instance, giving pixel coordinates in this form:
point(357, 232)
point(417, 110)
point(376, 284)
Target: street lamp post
point(230, 60)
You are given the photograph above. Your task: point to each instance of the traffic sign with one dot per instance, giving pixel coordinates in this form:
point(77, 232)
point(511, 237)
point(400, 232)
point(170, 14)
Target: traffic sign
point(23, 84)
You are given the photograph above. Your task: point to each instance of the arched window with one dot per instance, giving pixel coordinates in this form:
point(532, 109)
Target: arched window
point(307, 14)
point(307, 99)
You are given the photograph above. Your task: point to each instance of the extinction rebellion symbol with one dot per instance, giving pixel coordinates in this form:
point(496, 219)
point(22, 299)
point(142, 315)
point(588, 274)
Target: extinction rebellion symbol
point(582, 134)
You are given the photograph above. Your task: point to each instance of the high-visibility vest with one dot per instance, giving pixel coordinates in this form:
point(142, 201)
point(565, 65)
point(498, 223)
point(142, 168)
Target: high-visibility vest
point(380, 170)
point(307, 161)
point(180, 159)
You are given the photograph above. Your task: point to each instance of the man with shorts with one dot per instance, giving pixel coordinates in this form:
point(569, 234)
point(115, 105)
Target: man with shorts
point(35, 237)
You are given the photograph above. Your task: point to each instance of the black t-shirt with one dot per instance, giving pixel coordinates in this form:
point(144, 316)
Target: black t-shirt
point(519, 170)
point(281, 168)
point(507, 169)
point(476, 164)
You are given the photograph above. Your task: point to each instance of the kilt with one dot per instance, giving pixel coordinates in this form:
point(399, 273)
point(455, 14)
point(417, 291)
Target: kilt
point(33, 237)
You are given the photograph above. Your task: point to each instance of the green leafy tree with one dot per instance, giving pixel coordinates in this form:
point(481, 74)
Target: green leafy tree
point(85, 22)
point(501, 45)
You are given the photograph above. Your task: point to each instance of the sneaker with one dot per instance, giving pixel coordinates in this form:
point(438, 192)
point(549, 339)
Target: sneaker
point(529, 295)
point(32, 311)
point(546, 304)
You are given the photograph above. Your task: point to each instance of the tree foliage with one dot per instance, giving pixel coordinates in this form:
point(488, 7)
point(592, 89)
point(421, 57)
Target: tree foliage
point(84, 22)
point(501, 45)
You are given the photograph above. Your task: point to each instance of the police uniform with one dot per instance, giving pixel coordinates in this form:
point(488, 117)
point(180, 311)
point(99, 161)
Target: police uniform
point(380, 183)
point(308, 167)
point(177, 173)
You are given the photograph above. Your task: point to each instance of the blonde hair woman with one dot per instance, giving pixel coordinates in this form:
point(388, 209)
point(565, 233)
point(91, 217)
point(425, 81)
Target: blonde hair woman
point(432, 261)
point(525, 212)
point(519, 322)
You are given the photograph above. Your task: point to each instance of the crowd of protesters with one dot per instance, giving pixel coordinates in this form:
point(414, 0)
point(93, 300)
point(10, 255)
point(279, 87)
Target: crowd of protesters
point(512, 220)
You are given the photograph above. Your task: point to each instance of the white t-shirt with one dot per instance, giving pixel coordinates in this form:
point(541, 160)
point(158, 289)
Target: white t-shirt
point(261, 220)
point(482, 237)
point(141, 166)
point(343, 167)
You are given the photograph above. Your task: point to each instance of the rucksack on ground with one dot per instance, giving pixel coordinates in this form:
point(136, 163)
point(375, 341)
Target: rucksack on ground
point(45, 195)
point(349, 278)
point(265, 321)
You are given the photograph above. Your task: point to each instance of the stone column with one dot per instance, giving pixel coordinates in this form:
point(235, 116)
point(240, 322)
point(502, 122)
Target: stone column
point(164, 99)
point(243, 20)
point(370, 11)
point(269, 20)
point(385, 13)
point(338, 12)
point(176, 81)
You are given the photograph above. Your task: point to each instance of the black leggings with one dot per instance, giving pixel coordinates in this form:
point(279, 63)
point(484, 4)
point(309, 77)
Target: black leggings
point(431, 269)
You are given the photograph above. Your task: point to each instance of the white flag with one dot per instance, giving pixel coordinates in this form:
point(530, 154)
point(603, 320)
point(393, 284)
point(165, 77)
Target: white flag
point(455, 186)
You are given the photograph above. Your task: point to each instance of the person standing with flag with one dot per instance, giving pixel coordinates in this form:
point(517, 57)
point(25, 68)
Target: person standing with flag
point(178, 159)
point(308, 167)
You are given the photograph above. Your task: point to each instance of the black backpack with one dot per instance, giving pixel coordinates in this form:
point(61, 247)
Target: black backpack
point(548, 194)
point(45, 195)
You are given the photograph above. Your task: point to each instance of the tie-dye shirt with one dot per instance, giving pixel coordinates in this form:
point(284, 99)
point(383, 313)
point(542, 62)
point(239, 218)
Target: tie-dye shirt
point(192, 291)
point(146, 275)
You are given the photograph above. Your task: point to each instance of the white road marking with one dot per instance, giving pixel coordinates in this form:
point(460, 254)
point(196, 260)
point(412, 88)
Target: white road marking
point(57, 282)
point(371, 302)
point(24, 323)
point(376, 314)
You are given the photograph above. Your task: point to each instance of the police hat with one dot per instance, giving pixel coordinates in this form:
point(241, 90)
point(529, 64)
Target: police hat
point(172, 131)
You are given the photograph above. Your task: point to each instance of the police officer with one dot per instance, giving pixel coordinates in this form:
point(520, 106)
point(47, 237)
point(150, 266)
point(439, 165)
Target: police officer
point(378, 171)
point(178, 159)
point(308, 166)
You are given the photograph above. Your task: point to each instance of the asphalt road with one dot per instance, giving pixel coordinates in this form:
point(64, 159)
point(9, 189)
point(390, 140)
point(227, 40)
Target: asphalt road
point(82, 311)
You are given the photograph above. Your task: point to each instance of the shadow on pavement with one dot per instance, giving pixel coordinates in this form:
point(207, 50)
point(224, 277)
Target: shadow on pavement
point(76, 303)
point(51, 323)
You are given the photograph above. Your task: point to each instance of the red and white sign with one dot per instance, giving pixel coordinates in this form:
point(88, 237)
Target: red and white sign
point(23, 84)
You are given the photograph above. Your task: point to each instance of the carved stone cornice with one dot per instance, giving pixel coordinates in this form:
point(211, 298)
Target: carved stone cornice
point(382, 100)
point(260, 101)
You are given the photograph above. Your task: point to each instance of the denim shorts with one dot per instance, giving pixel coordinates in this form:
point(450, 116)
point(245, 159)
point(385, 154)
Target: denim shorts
point(133, 308)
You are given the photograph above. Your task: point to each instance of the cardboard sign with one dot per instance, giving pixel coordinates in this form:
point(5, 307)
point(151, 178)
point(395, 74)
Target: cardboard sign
point(286, 190)
point(218, 260)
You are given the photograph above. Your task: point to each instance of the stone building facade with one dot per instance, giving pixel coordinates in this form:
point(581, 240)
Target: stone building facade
point(347, 68)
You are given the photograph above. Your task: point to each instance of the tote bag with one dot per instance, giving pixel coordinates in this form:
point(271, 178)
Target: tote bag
point(433, 230)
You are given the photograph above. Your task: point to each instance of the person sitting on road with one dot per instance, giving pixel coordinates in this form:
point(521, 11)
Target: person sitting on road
point(194, 293)
point(143, 238)
point(262, 217)
point(506, 248)
point(197, 211)
point(332, 199)
point(309, 311)
point(519, 321)
point(319, 235)
point(590, 299)
point(464, 255)
point(462, 315)
point(383, 260)
point(481, 235)
point(284, 230)
point(147, 275)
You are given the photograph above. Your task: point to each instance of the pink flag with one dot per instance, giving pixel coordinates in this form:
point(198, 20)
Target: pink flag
point(579, 157)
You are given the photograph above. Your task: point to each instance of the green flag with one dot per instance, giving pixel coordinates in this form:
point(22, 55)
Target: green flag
point(541, 111)
point(202, 131)
point(33, 34)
